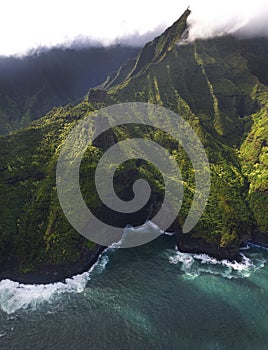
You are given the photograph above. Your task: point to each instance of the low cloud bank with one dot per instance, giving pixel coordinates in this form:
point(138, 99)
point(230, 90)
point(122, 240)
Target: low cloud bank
point(27, 25)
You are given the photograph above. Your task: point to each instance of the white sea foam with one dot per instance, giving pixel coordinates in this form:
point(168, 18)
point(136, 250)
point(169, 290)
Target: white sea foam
point(247, 247)
point(15, 296)
point(193, 265)
point(148, 229)
point(170, 233)
point(253, 245)
point(134, 236)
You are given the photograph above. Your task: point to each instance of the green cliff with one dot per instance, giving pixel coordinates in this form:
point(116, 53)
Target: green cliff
point(216, 86)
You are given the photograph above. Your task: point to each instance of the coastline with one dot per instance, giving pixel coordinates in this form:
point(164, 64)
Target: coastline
point(48, 274)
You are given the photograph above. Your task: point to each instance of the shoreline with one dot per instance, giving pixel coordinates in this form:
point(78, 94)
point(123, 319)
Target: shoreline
point(49, 274)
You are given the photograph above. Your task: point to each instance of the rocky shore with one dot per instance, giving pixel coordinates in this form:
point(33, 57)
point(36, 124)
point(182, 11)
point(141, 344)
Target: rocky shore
point(53, 273)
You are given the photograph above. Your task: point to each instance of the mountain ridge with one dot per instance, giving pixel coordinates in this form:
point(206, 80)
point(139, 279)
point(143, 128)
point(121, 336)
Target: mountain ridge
point(153, 52)
point(211, 85)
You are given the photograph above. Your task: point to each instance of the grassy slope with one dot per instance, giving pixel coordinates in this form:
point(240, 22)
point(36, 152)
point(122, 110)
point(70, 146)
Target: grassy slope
point(210, 84)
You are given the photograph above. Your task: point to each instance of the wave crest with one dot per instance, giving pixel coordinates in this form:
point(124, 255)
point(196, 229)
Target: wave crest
point(15, 296)
point(193, 265)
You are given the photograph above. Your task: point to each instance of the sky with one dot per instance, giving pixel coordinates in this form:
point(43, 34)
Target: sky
point(30, 24)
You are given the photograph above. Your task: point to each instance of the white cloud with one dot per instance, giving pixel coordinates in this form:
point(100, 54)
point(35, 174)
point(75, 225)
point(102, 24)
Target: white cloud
point(211, 18)
point(27, 24)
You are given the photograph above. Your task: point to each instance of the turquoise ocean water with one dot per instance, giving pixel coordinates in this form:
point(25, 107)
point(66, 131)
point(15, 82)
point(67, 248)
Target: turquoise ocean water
point(150, 297)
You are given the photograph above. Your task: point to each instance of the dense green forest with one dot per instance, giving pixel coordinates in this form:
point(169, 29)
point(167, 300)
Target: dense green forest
point(219, 86)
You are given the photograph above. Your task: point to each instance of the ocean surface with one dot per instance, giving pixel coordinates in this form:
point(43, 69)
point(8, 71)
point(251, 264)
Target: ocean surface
point(150, 297)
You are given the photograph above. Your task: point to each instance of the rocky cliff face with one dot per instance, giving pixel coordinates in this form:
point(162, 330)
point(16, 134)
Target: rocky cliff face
point(214, 85)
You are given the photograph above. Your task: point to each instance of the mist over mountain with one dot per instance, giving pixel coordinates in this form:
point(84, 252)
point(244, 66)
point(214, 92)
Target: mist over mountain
point(31, 85)
point(66, 22)
point(218, 85)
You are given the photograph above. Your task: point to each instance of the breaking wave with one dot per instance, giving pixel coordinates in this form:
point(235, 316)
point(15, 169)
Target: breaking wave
point(15, 296)
point(193, 265)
